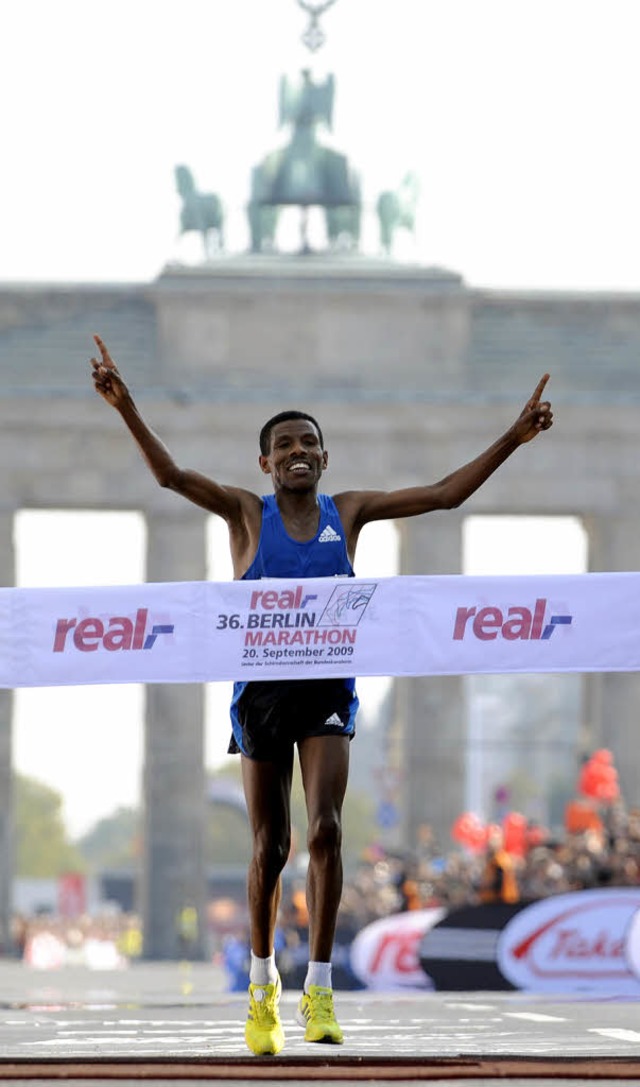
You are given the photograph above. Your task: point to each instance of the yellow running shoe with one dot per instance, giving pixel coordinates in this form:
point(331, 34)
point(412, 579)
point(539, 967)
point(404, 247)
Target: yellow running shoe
point(263, 1032)
point(315, 1012)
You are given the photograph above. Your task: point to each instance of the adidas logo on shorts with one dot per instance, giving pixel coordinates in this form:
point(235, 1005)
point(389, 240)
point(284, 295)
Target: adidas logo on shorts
point(333, 720)
point(328, 535)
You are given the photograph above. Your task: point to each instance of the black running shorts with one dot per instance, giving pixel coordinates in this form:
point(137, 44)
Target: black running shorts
point(275, 715)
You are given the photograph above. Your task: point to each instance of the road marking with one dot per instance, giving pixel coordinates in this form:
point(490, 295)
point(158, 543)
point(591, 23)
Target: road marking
point(98, 1040)
point(617, 1032)
point(536, 1017)
point(472, 1007)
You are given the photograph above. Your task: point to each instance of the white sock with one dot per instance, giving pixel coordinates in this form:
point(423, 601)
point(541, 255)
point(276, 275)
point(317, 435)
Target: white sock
point(263, 971)
point(318, 973)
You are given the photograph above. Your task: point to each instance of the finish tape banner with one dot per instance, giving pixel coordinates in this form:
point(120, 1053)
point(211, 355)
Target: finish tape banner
point(201, 632)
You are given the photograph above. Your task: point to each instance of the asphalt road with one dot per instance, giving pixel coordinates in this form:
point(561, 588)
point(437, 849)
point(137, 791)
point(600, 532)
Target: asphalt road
point(176, 1021)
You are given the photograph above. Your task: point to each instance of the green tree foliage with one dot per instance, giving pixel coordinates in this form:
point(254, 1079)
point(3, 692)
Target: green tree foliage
point(114, 843)
point(228, 839)
point(43, 849)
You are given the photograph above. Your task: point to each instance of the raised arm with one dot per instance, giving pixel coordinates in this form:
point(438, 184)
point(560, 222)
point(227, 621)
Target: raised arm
point(357, 508)
point(241, 509)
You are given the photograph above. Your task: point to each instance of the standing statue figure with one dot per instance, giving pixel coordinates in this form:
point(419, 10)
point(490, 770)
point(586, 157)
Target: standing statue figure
point(397, 209)
point(304, 173)
point(201, 212)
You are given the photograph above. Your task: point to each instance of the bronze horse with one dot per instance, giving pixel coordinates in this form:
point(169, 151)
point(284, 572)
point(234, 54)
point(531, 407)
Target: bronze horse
point(201, 211)
point(397, 209)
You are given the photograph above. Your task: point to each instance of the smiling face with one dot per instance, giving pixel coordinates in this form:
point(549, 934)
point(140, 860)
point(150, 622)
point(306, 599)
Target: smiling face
point(296, 459)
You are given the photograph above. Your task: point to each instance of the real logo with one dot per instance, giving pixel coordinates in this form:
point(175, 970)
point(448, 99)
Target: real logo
point(517, 623)
point(287, 599)
point(119, 632)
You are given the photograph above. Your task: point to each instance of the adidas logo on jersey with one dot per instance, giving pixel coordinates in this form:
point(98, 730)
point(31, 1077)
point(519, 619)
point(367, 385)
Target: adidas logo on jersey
point(328, 535)
point(333, 720)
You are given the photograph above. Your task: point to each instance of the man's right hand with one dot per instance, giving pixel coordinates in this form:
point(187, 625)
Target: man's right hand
point(106, 377)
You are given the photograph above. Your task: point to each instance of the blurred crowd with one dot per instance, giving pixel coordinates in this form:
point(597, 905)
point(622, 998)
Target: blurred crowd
point(514, 861)
point(597, 848)
point(106, 941)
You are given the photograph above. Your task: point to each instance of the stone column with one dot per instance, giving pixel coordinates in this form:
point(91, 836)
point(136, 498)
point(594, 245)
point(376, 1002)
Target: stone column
point(7, 859)
point(173, 871)
point(613, 711)
point(432, 708)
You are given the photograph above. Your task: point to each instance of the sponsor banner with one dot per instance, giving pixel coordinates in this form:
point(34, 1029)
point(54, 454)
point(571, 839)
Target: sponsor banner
point(124, 634)
point(577, 942)
point(459, 954)
point(632, 945)
point(190, 632)
point(384, 955)
point(583, 942)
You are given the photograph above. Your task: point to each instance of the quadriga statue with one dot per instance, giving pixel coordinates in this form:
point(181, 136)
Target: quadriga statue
point(304, 173)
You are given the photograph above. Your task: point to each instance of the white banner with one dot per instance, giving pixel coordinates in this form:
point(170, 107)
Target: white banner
point(386, 953)
point(194, 632)
point(576, 942)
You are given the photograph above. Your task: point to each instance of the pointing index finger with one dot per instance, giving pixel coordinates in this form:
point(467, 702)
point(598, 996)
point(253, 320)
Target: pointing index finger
point(106, 357)
point(540, 387)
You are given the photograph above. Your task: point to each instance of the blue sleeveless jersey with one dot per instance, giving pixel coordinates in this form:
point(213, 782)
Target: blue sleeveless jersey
point(280, 556)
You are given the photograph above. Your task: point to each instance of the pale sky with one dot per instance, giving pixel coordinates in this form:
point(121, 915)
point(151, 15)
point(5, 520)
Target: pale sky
point(520, 117)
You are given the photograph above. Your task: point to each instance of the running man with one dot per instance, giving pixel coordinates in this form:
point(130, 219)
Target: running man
point(297, 532)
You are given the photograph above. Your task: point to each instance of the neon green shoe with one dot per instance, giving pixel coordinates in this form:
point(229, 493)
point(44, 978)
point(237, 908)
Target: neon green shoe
point(315, 1013)
point(263, 1032)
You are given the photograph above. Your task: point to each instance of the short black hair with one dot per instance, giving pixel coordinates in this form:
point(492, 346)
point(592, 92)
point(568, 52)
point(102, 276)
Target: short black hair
point(283, 417)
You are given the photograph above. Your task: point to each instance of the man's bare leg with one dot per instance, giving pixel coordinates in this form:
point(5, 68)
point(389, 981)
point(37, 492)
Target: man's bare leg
point(267, 790)
point(324, 762)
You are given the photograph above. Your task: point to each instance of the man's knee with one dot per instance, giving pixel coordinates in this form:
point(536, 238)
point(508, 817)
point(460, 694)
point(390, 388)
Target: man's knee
point(270, 853)
point(324, 835)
